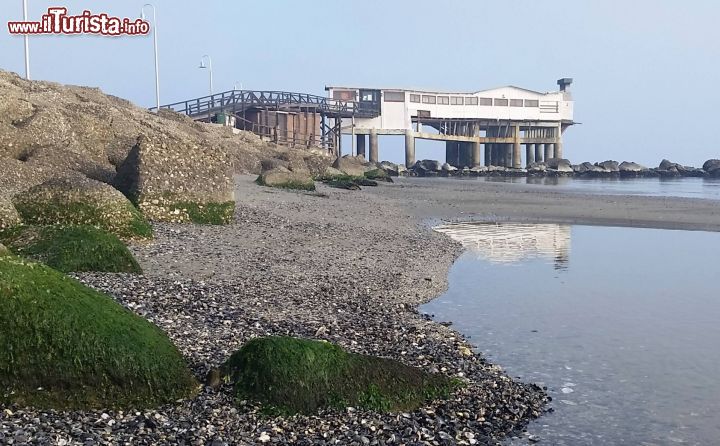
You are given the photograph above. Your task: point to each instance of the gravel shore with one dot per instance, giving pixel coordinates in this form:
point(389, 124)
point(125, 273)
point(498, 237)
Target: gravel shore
point(350, 267)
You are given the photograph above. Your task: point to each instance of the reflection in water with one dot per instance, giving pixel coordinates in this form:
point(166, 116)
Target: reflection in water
point(625, 340)
point(513, 242)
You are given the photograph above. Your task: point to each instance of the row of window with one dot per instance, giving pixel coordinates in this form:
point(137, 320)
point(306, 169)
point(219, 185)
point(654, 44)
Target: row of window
point(399, 96)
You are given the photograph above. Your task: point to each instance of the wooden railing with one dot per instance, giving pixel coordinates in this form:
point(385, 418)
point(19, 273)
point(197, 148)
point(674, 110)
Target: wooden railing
point(236, 101)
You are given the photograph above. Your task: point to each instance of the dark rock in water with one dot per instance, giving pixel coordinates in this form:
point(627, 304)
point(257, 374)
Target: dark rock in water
point(609, 166)
point(712, 167)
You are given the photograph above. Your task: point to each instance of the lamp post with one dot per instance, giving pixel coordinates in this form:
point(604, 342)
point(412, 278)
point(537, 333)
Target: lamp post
point(27, 45)
point(209, 67)
point(155, 50)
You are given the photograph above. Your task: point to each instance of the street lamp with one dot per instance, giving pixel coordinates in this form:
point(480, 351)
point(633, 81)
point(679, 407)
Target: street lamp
point(209, 67)
point(27, 46)
point(155, 49)
point(235, 85)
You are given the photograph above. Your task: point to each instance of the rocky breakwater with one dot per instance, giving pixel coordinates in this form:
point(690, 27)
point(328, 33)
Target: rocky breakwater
point(178, 181)
point(558, 167)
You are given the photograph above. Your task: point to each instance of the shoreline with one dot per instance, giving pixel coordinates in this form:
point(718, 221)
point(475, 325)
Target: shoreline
point(350, 267)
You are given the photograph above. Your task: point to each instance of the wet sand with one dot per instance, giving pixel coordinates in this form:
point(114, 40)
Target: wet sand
point(456, 200)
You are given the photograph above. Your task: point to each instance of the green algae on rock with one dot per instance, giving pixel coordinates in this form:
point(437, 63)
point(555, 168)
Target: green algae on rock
point(174, 181)
point(66, 346)
point(71, 248)
point(72, 199)
point(292, 375)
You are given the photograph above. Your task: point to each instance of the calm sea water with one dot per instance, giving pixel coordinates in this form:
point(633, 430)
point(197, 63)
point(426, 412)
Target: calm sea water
point(622, 325)
point(708, 188)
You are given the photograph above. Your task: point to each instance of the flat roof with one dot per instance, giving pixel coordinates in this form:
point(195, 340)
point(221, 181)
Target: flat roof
point(419, 90)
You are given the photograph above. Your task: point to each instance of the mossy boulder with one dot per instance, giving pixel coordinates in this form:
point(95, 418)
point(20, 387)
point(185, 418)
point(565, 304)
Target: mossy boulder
point(286, 179)
point(71, 248)
point(292, 375)
point(78, 200)
point(378, 175)
point(64, 345)
point(175, 180)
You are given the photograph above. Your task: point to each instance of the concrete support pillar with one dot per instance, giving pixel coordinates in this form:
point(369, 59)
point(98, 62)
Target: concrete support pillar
point(529, 154)
point(508, 155)
point(488, 151)
point(361, 145)
point(452, 152)
point(548, 151)
point(409, 148)
point(558, 142)
point(538, 153)
point(516, 160)
point(374, 150)
point(475, 154)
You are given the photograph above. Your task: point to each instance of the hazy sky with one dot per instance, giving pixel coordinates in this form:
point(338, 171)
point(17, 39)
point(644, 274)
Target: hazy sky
point(646, 72)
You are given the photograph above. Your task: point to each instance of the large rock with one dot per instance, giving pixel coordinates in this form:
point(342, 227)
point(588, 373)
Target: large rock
point(286, 179)
point(609, 166)
point(66, 346)
point(534, 167)
point(712, 167)
point(72, 248)
point(331, 172)
point(631, 167)
point(78, 200)
point(179, 181)
point(392, 169)
point(559, 165)
point(350, 165)
point(669, 165)
point(9, 216)
point(302, 376)
point(18, 176)
point(446, 167)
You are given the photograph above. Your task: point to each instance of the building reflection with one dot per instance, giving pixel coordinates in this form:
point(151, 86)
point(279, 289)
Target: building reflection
point(513, 242)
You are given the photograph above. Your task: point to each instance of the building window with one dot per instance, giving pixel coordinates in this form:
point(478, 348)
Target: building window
point(485, 101)
point(414, 98)
point(500, 102)
point(344, 95)
point(456, 100)
point(394, 96)
point(516, 102)
point(423, 113)
point(443, 100)
point(428, 99)
point(532, 103)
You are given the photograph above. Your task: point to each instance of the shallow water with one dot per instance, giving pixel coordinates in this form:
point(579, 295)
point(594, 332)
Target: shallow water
point(708, 188)
point(622, 325)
